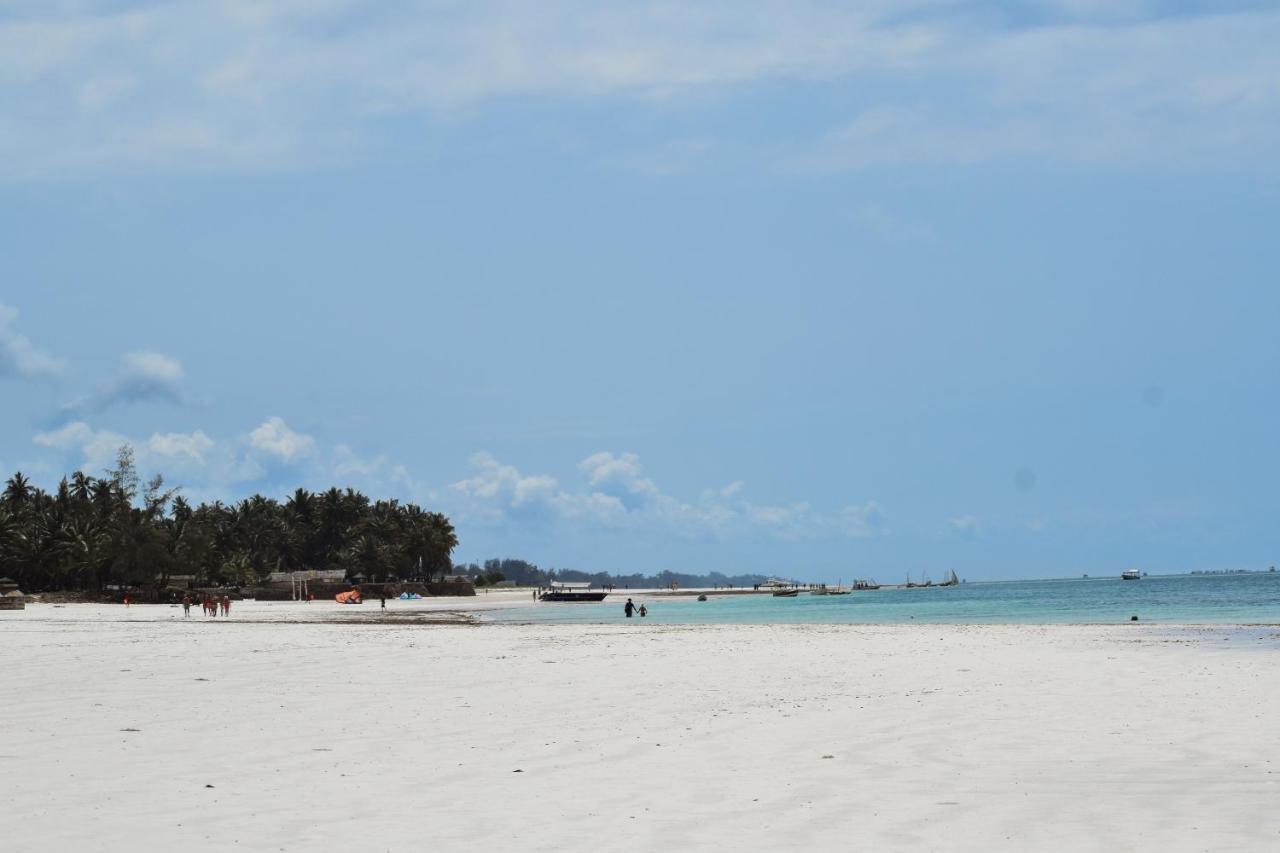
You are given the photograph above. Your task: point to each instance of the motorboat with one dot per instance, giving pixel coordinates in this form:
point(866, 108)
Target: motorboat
point(1131, 575)
point(571, 592)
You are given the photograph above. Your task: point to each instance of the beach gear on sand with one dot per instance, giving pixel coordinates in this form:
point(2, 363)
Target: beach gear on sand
point(349, 597)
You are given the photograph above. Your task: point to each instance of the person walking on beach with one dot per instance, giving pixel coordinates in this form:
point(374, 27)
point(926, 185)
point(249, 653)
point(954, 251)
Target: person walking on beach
point(226, 605)
point(628, 607)
point(384, 601)
point(186, 606)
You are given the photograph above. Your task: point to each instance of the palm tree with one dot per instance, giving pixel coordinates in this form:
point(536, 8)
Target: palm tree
point(89, 533)
point(17, 491)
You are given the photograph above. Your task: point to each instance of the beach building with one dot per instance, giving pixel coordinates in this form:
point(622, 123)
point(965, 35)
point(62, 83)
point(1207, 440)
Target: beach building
point(11, 598)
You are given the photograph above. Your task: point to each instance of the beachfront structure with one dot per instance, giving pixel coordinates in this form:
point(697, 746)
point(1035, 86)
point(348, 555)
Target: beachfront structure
point(11, 598)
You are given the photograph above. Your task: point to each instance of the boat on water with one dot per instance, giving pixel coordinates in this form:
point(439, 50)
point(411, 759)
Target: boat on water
point(785, 593)
point(952, 579)
point(1131, 575)
point(571, 592)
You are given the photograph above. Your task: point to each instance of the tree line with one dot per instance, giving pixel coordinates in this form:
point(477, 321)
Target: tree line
point(112, 531)
point(524, 573)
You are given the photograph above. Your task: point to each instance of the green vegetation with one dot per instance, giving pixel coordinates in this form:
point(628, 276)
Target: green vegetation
point(523, 573)
point(105, 532)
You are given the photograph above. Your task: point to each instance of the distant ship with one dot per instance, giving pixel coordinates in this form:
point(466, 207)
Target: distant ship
point(1131, 575)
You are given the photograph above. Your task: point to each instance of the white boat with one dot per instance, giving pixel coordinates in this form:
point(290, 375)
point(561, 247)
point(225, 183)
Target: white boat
point(1131, 575)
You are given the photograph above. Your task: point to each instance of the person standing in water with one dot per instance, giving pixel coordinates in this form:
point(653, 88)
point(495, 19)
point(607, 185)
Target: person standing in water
point(644, 611)
point(628, 608)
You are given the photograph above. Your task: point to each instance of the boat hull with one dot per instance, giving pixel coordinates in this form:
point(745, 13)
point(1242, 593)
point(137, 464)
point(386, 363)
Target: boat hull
point(572, 596)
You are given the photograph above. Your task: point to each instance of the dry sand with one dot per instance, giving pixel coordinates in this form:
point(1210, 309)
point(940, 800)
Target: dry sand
point(279, 730)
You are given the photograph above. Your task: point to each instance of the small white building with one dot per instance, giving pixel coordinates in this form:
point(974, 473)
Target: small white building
point(11, 598)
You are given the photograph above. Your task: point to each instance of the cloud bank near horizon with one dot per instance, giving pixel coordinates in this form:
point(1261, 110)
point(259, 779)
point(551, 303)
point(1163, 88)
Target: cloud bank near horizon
point(613, 491)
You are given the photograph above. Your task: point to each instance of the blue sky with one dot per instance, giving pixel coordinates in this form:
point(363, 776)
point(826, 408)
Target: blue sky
point(817, 289)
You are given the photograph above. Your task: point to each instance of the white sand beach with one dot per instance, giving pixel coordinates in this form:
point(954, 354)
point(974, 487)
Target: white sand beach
point(280, 729)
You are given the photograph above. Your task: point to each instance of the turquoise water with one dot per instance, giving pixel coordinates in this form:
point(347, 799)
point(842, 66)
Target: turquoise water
point(1177, 599)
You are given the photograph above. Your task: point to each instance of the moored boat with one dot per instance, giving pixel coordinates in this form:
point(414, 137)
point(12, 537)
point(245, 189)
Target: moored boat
point(785, 593)
point(571, 592)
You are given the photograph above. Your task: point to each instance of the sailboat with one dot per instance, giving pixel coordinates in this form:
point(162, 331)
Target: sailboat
point(952, 579)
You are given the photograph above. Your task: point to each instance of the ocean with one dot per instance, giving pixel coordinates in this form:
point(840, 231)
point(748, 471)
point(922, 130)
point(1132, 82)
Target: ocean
point(1169, 599)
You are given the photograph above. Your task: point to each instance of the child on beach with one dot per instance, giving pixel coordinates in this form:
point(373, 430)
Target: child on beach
point(226, 605)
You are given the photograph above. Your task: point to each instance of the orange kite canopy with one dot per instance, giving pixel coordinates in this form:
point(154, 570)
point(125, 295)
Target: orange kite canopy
point(350, 597)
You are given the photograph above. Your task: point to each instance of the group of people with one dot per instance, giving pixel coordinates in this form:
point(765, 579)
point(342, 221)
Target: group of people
point(630, 608)
point(210, 604)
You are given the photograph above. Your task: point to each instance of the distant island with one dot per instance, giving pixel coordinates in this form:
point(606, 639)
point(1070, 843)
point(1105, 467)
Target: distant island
point(523, 573)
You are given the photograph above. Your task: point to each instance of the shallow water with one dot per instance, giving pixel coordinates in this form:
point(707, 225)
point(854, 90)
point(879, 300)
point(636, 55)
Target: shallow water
point(1169, 599)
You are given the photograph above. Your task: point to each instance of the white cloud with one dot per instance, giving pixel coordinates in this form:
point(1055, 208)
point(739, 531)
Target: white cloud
point(273, 436)
point(1175, 93)
point(144, 377)
point(496, 491)
point(18, 356)
point(187, 458)
point(97, 448)
point(614, 492)
point(193, 445)
point(153, 366)
point(621, 477)
point(231, 84)
point(617, 494)
point(732, 489)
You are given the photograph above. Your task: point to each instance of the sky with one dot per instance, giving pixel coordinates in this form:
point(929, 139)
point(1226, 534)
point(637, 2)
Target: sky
point(823, 290)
